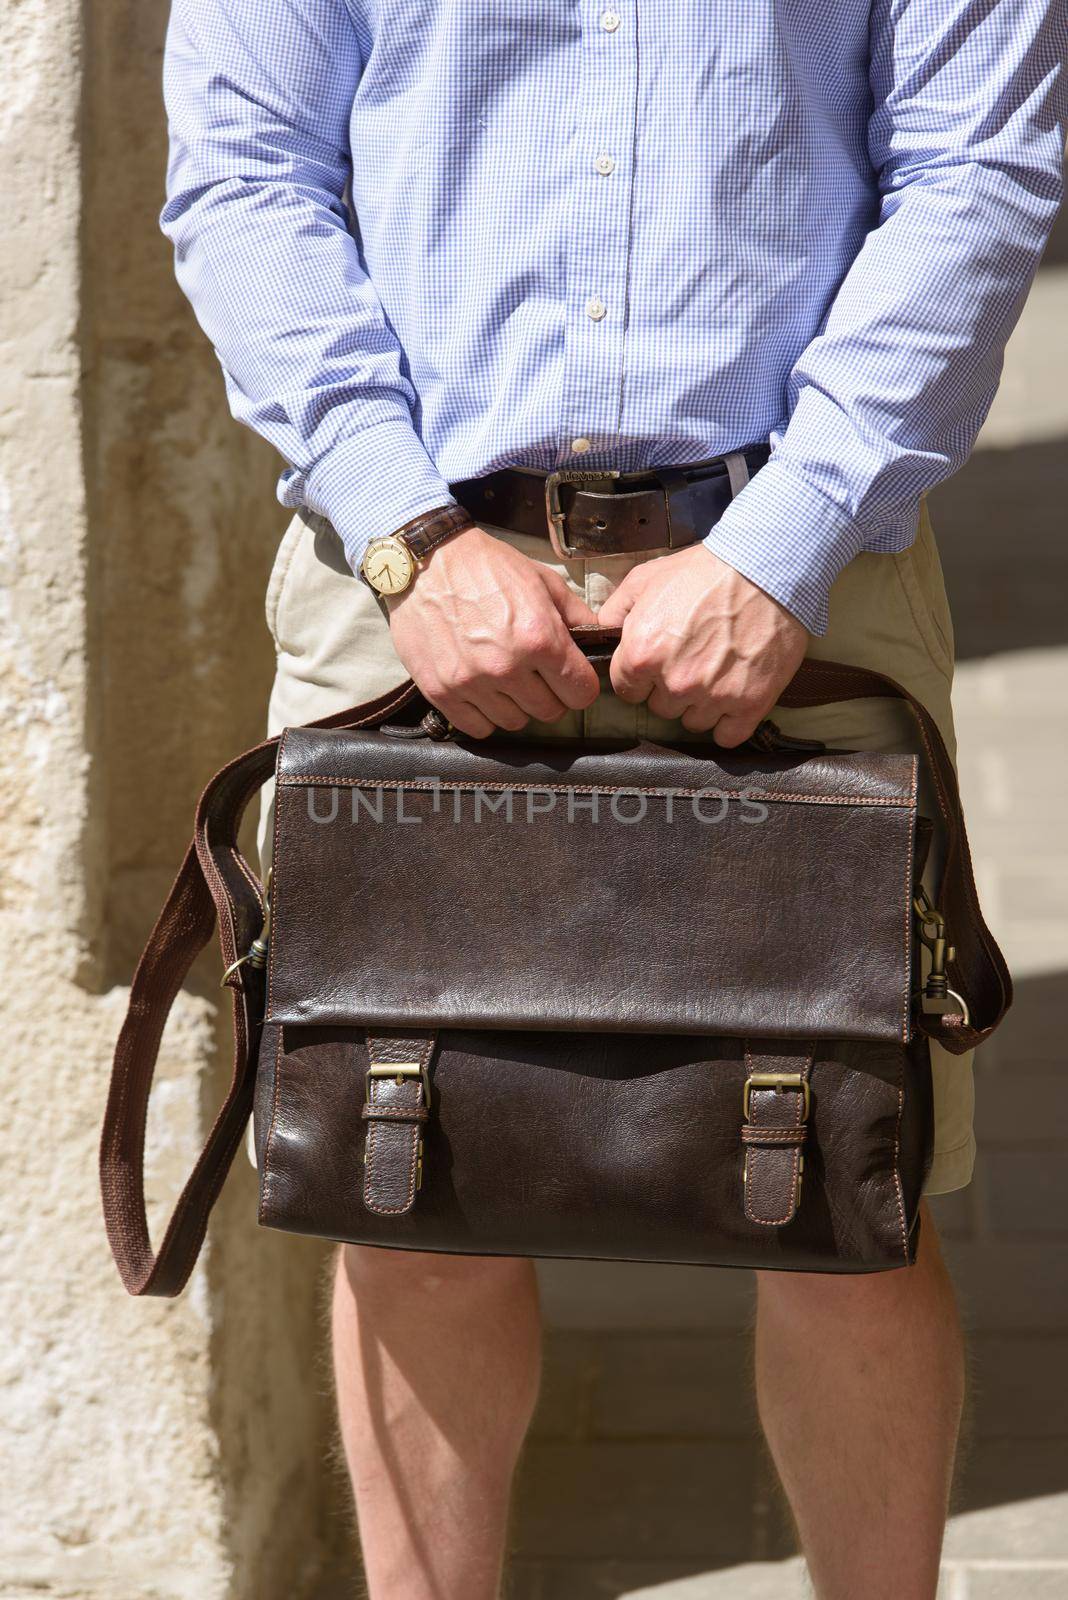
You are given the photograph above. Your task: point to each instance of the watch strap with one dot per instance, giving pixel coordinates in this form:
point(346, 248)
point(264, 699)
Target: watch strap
point(425, 532)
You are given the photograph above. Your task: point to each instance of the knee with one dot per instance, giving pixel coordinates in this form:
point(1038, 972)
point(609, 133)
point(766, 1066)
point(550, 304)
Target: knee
point(865, 1295)
point(801, 1296)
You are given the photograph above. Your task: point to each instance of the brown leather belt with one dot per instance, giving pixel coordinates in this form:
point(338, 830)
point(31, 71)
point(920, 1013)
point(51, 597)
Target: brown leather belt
point(589, 514)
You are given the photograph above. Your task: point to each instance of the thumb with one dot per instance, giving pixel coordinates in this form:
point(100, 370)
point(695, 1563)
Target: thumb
point(571, 606)
point(620, 601)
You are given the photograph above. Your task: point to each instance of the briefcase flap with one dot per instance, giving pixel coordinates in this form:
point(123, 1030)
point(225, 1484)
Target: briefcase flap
point(637, 887)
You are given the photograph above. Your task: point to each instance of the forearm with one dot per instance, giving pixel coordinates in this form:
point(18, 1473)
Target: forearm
point(255, 211)
point(888, 399)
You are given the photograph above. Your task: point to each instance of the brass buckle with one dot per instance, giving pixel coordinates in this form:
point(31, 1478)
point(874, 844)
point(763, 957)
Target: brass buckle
point(780, 1081)
point(555, 513)
point(399, 1070)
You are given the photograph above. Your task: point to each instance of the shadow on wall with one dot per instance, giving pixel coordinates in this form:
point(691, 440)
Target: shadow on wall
point(1000, 525)
point(1057, 250)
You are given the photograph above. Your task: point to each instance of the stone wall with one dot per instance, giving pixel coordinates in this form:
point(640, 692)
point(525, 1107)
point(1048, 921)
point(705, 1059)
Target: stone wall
point(149, 1449)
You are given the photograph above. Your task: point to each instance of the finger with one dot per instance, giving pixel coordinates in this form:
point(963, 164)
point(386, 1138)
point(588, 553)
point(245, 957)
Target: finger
point(503, 711)
point(702, 717)
point(620, 601)
point(632, 678)
point(537, 699)
point(665, 704)
point(571, 606)
point(465, 717)
point(735, 729)
point(568, 675)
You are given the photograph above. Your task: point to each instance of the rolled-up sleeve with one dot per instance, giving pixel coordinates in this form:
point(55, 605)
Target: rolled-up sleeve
point(258, 96)
point(966, 135)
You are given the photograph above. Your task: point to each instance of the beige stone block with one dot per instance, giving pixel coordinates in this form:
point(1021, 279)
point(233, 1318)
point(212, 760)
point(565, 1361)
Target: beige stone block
point(1022, 1582)
point(148, 1448)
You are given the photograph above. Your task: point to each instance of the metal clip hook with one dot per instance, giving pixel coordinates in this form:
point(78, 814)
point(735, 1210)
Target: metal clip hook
point(936, 993)
point(258, 950)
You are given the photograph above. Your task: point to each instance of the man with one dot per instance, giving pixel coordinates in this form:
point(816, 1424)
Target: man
point(445, 250)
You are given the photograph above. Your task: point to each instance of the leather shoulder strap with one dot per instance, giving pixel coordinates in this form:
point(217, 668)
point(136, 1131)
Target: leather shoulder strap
point(216, 885)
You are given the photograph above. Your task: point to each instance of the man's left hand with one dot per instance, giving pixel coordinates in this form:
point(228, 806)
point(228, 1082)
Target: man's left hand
point(702, 644)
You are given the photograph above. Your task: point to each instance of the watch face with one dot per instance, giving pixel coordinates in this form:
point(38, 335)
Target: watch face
point(388, 566)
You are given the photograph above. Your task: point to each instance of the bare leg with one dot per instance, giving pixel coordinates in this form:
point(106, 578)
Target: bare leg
point(860, 1383)
point(437, 1362)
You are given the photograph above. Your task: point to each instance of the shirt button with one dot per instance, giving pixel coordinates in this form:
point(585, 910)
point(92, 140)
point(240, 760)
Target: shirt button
point(596, 309)
point(604, 165)
point(610, 21)
point(580, 446)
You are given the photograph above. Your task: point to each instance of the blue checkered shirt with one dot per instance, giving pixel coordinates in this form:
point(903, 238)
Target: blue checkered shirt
point(432, 238)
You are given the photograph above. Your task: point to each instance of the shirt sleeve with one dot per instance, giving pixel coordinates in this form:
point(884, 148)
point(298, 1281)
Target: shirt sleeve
point(258, 96)
point(966, 136)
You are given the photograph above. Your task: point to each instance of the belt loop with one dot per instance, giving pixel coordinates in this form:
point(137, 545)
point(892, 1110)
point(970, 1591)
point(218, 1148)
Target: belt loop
point(737, 472)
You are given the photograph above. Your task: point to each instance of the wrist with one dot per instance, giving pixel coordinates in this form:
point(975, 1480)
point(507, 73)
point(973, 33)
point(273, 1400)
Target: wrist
point(424, 533)
point(390, 565)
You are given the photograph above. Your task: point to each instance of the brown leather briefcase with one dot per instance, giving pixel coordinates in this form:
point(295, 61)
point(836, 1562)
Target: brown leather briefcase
point(619, 1000)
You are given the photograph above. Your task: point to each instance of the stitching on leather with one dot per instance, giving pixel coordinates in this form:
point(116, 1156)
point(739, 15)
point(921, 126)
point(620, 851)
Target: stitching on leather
point(791, 1206)
point(276, 856)
point(958, 846)
point(249, 876)
point(900, 1193)
point(910, 852)
point(952, 840)
point(377, 1113)
point(212, 876)
point(266, 1176)
point(423, 1061)
point(770, 1136)
point(369, 1154)
point(975, 1035)
point(413, 1156)
point(199, 1213)
point(470, 786)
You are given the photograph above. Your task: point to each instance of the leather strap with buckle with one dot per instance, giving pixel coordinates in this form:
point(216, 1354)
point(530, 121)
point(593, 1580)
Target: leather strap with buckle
point(775, 1109)
point(589, 514)
point(396, 1105)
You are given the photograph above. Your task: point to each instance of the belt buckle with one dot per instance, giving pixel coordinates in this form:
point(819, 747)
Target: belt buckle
point(555, 513)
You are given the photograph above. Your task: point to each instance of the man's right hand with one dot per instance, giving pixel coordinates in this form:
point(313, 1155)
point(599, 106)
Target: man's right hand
point(483, 632)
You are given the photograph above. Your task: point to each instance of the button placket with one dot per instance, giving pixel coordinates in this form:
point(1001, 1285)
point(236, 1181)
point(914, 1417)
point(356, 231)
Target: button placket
point(600, 237)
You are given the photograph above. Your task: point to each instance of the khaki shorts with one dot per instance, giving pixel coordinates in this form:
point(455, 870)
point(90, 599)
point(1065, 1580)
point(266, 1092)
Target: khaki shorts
point(887, 612)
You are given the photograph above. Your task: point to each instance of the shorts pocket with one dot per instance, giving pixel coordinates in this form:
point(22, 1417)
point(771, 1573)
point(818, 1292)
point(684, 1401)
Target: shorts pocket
point(283, 565)
point(919, 571)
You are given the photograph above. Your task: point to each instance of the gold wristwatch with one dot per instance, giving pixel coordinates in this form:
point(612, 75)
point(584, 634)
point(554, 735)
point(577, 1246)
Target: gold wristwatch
point(389, 565)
